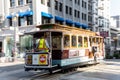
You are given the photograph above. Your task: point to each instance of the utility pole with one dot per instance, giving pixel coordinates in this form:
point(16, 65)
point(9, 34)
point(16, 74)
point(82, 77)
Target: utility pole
point(15, 25)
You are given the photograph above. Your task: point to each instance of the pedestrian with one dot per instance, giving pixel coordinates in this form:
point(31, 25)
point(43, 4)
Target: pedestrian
point(95, 53)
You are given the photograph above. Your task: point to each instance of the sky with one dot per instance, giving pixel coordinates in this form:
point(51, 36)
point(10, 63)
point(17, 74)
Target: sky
point(114, 7)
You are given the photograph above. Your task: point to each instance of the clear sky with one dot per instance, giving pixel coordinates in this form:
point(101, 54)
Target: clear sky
point(114, 7)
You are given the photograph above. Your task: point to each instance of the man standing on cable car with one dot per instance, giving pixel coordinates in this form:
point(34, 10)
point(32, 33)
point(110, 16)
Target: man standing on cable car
point(43, 45)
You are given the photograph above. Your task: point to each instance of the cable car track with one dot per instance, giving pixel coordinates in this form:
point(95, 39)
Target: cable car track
point(47, 76)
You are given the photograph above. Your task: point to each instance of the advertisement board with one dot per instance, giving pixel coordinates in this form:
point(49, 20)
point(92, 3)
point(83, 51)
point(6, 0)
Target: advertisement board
point(76, 53)
point(40, 59)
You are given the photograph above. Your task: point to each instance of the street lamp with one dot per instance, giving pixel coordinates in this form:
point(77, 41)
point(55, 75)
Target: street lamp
point(15, 27)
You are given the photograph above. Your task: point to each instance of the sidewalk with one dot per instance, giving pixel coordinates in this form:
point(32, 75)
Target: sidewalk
point(10, 61)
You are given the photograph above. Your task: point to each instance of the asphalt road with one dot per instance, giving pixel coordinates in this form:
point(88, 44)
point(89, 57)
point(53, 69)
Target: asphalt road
point(108, 70)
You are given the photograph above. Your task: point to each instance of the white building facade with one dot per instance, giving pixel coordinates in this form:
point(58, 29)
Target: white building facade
point(104, 22)
point(115, 34)
point(23, 15)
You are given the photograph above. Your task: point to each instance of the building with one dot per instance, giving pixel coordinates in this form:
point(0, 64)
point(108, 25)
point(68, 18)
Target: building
point(114, 40)
point(23, 15)
point(104, 15)
point(2, 9)
point(115, 35)
point(104, 22)
point(117, 20)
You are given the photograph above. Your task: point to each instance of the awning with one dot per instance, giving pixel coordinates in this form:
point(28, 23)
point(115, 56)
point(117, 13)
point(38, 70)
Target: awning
point(9, 16)
point(28, 13)
point(77, 24)
point(84, 26)
point(21, 14)
point(59, 18)
point(46, 15)
point(69, 21)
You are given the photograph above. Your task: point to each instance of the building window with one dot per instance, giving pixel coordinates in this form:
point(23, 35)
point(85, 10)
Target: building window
point(70, 11)
point(78, 14)
point(90, 18)
point(84, 4)
point(12, 3)
point(29, 20)
point(1, 48)
point(60, 6)
point(75, 13)
point(20, 2)
point(78, 2)
point(58, 22)
point(56, 5)
point(43, 2)
point(75, 1)
point(21, 21)
point(66, 9)
point(28, 1)
point(10, 22)
point(48, 3)
point(89, 7)
point(84, 16)
point(45, 20)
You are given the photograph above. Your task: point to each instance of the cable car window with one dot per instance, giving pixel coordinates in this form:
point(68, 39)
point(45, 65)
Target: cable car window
point(74, 41)
point(97, 40)
point(85, 42)
point(26, 43)
point(90, 40)
point(66, 41)
point(100, 40)
point(56, 42)
point(93, 40)
point(80, 41)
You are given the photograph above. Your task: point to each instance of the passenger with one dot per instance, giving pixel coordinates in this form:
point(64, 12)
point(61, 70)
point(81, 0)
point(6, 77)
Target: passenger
point(85, 44)
point(79, 44)
point(67, 41)
point(43, 45)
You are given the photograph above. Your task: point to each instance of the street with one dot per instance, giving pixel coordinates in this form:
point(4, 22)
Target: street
point(107, 70)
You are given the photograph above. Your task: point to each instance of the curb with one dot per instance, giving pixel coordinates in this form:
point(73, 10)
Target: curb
point(11, 59)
